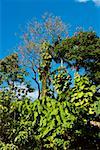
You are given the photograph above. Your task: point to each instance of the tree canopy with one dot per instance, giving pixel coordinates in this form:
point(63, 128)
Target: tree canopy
point(63, 116)
point(82, 50)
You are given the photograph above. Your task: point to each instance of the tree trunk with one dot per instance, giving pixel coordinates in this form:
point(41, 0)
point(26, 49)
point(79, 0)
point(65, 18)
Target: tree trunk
point(44, 85)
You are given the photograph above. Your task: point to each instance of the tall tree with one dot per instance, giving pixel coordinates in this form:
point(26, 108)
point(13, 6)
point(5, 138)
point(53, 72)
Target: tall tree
point(83, 50)
point(12, 76)
point(66, 121)
point(13, 96)
point(50, 29)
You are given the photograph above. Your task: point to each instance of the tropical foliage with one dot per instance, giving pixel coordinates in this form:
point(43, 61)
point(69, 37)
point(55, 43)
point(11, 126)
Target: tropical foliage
point(65, 115)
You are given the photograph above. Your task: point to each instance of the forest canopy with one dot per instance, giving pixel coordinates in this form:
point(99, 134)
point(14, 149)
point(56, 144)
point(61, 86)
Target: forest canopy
point(63, 116)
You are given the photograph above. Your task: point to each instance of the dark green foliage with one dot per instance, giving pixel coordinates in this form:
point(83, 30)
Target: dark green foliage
point(13, 104)
point(82, 50)
point(50, 123)
point(16, 122)
point(64, 117)
point(9, 70)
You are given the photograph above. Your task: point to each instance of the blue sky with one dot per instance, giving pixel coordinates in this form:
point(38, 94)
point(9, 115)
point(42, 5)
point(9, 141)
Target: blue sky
point(14, 13)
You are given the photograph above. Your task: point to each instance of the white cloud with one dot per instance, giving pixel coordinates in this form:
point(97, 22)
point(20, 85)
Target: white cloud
point(82, 1)
point(96, 2)
point(33, 95)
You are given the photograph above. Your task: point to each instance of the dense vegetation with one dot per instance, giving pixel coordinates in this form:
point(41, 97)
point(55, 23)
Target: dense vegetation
point(63, 116)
